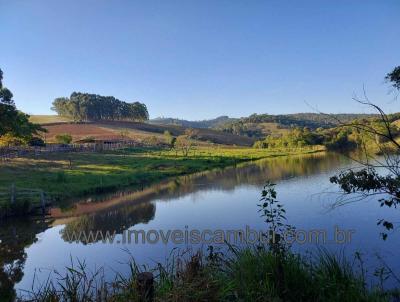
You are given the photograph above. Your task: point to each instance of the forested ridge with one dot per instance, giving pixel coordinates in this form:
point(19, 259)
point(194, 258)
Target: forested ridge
point(311, 120)
point(210, 123)
point(240, 125)
point(249, 125)
point(346, 135)
point(92, 107)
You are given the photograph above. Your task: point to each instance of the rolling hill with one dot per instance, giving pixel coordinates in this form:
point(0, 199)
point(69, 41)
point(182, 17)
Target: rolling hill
point(260, 125)
point(222, 130)
point(133, 130)
point(211, 123)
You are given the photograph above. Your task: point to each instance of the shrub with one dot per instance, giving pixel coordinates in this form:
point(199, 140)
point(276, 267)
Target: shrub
point(8, 140)
point(64, 138)
point(61, 177)
point(36, 142)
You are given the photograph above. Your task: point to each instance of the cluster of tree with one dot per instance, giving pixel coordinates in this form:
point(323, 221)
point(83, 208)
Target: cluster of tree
point(183, 143)
point(92, 107)
point(63, 138)
point(345, 137)
point(296, 137)
point(240, 127)
point(15, 127)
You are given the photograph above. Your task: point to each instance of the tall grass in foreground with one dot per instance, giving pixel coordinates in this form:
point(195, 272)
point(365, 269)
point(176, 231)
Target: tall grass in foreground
point(247, 274)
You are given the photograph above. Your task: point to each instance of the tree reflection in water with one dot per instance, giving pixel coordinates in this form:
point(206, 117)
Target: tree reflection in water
point(15, 236)
point(253, 174)
point(114, 220)
point(134, 208)
point(123, 210)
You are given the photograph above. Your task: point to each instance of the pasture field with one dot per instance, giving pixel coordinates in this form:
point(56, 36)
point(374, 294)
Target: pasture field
point(67, 175)
point(46, 119)
point(80, 131)
point(133, 130)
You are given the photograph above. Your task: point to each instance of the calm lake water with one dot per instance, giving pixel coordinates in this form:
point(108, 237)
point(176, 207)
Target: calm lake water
point(223, 199)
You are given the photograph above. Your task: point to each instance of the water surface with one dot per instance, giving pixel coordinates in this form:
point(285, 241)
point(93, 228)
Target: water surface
point(223, 199)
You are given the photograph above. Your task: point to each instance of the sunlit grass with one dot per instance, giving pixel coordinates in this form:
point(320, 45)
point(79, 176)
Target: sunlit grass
point(43, 119)
point(67, 175)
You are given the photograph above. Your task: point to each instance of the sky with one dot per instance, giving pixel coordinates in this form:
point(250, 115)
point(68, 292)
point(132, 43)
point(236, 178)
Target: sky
point(202, 59)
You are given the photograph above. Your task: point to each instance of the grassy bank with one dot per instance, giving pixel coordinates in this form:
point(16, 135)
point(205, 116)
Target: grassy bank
point(249, 274)
point(67, 175)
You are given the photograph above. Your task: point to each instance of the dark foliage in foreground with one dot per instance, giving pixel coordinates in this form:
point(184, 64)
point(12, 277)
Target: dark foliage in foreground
point(14, 123)
point(368, 182)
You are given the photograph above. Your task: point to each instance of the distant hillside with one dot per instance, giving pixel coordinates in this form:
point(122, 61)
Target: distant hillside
point(311, 120)
point(259, 125)
point(222, 130)
point(212, 123)
point(138, 131)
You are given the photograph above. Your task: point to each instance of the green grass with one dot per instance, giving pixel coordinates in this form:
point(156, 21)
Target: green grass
point(67, 175)
point(260, 275)
point(248, 274)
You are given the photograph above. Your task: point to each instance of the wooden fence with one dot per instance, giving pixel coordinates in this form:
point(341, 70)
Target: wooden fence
point(32, 199)
point(8, 153)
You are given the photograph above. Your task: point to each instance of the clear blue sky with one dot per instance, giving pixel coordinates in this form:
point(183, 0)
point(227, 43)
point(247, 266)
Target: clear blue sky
point(200, 59)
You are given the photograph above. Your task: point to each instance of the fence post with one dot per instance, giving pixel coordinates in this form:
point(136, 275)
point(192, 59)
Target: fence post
point(12, 193)
point(145, 286)
point(42, 199)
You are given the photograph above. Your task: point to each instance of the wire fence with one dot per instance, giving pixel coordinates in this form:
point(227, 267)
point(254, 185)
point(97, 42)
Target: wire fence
point(15, 201)
point(7, 153)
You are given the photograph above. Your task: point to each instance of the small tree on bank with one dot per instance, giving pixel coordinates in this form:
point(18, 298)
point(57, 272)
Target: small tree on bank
point(169, 139)
point(186, 142)
point(63, 138)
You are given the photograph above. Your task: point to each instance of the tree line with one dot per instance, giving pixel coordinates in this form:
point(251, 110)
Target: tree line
point(344, 137)
point(210, 123)
point(85, 107)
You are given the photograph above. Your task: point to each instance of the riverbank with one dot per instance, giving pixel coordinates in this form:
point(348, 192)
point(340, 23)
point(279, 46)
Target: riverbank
point(248, 274)
point(64, 176)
